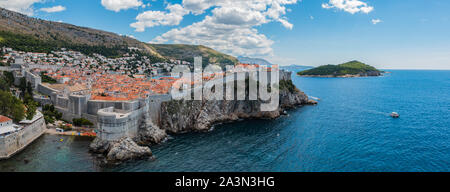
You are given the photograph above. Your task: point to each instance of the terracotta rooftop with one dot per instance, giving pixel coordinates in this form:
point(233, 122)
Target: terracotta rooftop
point(4, 119)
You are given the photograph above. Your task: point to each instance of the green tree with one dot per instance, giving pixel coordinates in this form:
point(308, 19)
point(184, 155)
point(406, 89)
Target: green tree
point(81, 122)
point(31, 109)
point(9, 77)
point(4, 85)
point(23, 86)
point(46, 79)
point(50, 114)
point(30, 89)
point(11, 106)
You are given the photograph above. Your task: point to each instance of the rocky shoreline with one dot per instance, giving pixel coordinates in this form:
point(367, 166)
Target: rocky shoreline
point(186, 116)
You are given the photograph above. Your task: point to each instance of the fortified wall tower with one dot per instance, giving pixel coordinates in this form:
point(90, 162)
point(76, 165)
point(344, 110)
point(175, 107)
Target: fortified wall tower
point(114, 123)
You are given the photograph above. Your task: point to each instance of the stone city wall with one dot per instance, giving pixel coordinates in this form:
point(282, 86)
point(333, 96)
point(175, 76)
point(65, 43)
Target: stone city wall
point(93, 105)
point(17, 141)
point(114, 125)
point(154, 107)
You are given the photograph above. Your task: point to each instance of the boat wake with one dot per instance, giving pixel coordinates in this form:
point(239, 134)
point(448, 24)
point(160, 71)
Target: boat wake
point(370, 111)
point(315, 98)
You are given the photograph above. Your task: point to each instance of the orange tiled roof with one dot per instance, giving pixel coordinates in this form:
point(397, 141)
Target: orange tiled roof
point(4, 119)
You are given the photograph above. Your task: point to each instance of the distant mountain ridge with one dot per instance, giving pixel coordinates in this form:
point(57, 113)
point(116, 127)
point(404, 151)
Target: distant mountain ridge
point(31, 34)
point(249, 60)
point(349, 69)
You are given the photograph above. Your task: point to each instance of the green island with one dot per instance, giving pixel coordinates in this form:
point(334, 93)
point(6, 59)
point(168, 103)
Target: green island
point(349, 69)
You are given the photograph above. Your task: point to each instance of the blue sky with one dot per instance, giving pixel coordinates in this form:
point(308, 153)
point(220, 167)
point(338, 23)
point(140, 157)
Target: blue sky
point(409, 34)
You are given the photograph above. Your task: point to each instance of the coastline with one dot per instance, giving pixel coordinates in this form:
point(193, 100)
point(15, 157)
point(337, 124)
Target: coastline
point(343, 76)
point(254, 145)
point(183, 116)
point(68, 133)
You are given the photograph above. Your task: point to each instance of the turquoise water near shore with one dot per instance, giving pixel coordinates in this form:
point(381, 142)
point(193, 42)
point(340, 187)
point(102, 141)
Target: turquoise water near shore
point(350, 130)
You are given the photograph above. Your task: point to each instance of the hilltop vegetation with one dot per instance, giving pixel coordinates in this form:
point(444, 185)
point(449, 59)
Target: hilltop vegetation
point(25, 33)
point(29, 43)
point(188, 52)
point(352, 68)
point(57, 31)
point(250, 60)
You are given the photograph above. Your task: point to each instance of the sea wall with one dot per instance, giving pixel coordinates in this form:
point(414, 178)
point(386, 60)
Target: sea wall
point(125, 134)
point(17, 141)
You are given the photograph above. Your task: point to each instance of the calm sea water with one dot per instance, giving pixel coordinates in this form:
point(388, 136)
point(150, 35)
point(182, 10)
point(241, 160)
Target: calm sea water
point(350, 130)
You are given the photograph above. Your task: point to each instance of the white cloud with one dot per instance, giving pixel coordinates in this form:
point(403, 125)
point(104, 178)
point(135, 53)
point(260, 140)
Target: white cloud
point(286, 24)
point(232, 39)
point(21, 6)
point(351, 6)
point(117, 5)
point(376, 21)
point(54, 9)
point(156, 18)
point(229, 28)
point(197, 6)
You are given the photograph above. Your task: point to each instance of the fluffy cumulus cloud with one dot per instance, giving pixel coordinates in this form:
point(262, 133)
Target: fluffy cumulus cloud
point(21, 6)
point(117, 5)
point(197, 6)
point(232, 39)
point(54, 9)
point(146, 19)
point(230, 26)
point(351, 6)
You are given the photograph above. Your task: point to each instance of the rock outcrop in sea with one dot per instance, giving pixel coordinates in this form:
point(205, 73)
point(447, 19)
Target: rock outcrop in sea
point(130, 148)
point(149, 133)
point(118, 151)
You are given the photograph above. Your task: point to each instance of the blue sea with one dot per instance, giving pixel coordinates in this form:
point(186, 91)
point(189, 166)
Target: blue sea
point(350, 130)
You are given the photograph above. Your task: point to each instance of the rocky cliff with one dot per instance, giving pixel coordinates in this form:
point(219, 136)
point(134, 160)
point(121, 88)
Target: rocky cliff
point(184, 116)
point(178, 116)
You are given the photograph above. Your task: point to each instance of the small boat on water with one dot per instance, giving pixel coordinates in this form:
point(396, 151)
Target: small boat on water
point(395, 115)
